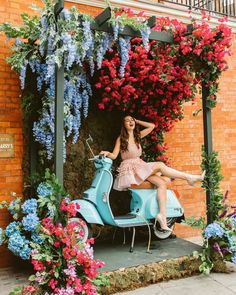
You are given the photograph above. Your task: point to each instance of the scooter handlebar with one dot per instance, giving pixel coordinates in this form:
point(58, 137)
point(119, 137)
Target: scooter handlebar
point(96, 157)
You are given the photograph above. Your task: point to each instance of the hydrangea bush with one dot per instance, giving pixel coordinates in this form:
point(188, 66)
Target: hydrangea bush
point(42, 232)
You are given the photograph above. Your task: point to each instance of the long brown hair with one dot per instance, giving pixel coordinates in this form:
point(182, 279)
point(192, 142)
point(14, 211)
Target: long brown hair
point(124, 136)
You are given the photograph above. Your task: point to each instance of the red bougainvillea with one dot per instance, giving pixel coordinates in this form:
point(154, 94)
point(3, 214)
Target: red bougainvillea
point(157, 83)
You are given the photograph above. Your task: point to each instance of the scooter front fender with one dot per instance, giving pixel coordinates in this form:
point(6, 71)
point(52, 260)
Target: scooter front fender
point(89, 212)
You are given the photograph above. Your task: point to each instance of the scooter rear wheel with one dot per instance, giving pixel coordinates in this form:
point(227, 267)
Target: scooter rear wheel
point(163, 235)
point(83, 230)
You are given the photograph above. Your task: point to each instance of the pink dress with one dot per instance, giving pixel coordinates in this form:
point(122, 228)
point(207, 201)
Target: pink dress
point(132, 169)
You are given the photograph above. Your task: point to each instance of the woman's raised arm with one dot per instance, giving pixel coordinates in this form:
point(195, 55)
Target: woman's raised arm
point(115, 151)
point(148, 127)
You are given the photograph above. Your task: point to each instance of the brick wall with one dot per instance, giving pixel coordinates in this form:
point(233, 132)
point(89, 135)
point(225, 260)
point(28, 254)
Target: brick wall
point(184, 140)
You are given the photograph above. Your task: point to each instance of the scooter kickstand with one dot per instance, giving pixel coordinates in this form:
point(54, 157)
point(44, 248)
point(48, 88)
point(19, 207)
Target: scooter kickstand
point(114, 235)
point(132, 243)
point(124, 240)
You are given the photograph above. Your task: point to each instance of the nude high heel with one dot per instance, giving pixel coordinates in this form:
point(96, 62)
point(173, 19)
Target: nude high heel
point(192, 179)
point(159, 218)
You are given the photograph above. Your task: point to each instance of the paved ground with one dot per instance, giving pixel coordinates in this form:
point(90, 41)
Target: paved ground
point(213, 284)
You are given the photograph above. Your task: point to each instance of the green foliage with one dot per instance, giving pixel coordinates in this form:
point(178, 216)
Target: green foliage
point(16, 291)
point(211, 182)
point(194, 222)
point(215, 244)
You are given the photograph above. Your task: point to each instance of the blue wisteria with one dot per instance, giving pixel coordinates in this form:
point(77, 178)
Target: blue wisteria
point(29, 206)
point(71, 44)
point(124, 47)
point(116, 28)
point(104, 45)
point(66, 13)
point(214, 230)
point(23, 75)
point(145, 33)
point(30, 222)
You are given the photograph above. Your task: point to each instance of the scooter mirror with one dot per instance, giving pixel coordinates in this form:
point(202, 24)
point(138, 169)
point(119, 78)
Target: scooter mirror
point(87, 142)
point(90, 138)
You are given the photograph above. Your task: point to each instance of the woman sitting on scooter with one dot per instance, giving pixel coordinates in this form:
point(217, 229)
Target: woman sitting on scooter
point(133, 170)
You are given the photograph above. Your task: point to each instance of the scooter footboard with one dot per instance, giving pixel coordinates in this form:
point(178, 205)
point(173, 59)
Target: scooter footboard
point(89, 212)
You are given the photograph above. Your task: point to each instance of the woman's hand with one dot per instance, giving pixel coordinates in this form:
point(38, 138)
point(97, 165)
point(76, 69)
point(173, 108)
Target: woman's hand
point(136, 121)
point(104, 153)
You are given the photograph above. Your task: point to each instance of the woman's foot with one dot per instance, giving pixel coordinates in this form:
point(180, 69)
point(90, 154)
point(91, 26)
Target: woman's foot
point(162, 223)
point(195, 178)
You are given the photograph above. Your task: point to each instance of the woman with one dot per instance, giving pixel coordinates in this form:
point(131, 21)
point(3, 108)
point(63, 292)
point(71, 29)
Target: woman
point(134, 170)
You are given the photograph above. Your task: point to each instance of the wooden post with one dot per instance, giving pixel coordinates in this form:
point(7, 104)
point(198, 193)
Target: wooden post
point(59, 110)
point(207, 127)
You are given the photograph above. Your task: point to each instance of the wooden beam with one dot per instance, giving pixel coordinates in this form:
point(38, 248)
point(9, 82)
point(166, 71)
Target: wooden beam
point(151, 22)
point(128, 31)
point(58, 7)
point(103, 16)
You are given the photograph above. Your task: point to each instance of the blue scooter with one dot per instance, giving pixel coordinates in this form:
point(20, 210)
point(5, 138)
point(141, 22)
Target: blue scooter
point(95, 206)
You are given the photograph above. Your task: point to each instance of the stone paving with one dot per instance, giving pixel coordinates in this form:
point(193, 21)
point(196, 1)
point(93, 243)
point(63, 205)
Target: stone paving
point(214, 284)
point(11, 278)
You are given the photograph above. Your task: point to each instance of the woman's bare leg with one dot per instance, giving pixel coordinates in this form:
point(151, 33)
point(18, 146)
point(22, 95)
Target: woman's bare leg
point(173, 173)
point(161, 195)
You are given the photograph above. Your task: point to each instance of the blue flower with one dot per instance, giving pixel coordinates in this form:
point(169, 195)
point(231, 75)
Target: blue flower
point(214, 230)
point(12, 228)
point(30, 206)
point(16, 243)
point(30, 222)
point(11, 207)
point(23, 75)
point(44, 189)
point(37, 238)
point(25, 252)
point(104, 45)
point(233, 259)
point(124, 47)
point(234, 221)
point(1, 236)
point(66, 13)
point(145, 32)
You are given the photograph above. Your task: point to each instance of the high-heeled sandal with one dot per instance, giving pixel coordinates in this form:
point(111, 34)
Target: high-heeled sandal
point(159, 218)
point(192, 179)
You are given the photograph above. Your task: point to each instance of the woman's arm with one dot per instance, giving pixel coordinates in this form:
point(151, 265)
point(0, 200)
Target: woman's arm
point(148, 127)
point(115, 151)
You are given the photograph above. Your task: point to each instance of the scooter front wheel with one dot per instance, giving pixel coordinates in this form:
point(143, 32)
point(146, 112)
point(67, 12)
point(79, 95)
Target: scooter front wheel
point(161, 234)
point(83, 230)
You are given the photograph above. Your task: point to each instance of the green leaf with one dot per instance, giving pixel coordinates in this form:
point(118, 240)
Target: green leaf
point(31, 278)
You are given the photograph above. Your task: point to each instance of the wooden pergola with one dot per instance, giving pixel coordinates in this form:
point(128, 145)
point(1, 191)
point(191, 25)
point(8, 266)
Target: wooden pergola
point(100, 23)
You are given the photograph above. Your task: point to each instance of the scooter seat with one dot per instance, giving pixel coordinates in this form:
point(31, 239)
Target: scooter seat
point(147, 185)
